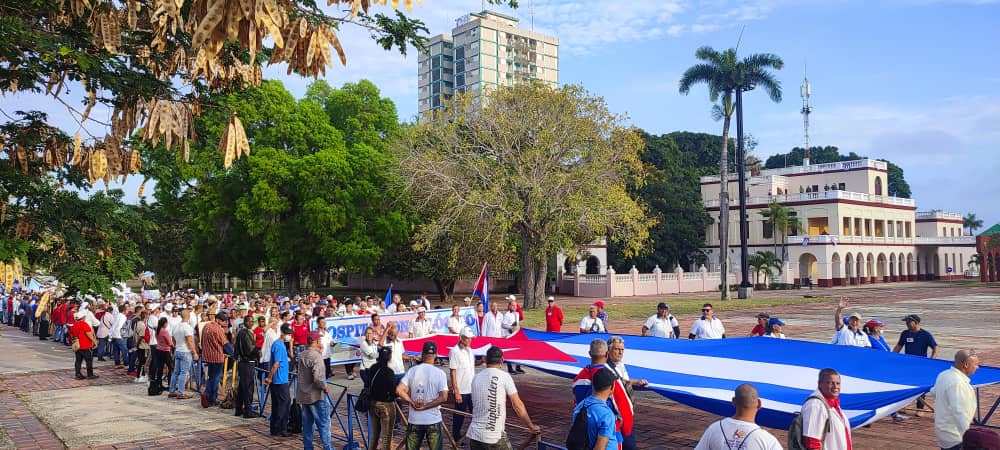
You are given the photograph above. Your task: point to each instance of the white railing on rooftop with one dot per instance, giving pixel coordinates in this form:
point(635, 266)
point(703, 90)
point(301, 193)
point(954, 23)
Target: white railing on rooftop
point(836, 239)
point(812, 168)
point(825, 195)
point(939, 215)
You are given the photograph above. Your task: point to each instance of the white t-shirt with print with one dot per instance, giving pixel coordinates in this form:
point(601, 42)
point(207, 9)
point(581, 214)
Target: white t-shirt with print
point(731, 434)
point(592, 325)
point(425, 382)
point(490, 389)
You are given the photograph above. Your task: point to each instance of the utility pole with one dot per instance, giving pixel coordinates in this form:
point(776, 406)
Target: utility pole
point(745, 289)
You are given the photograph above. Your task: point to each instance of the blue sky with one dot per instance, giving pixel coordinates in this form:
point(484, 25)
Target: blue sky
point(913, 81)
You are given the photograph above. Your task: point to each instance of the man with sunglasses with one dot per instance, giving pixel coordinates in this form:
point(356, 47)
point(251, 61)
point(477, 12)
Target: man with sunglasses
point(708, 326)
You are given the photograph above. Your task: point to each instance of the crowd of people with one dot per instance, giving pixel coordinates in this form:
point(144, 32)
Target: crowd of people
point(182, 342)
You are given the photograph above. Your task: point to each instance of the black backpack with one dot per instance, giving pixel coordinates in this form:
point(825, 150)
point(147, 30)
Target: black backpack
point(795, 438)
point(578, 438)
point(295, 418)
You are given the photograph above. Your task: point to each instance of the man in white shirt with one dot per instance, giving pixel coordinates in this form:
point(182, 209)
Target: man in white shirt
point(591, 323)
point(851, 333)
point(822, 410)
point(394, 307)
point(615, 362)
point(741, 430)
point(492, 322)
point(424, 389)
point(510, 321)
point(956, 400)
point(391, 339)
point(421, 327)
point(708, 326)
point(462, 366)
point(662, 324)
point(491, 388)
point(455, 322)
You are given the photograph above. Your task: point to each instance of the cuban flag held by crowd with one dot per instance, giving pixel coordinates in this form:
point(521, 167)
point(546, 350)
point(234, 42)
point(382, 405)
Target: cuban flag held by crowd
point(704, 373)
point(482, 289)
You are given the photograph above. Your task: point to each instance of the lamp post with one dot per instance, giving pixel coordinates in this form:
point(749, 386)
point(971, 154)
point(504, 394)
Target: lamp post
point(745, 289)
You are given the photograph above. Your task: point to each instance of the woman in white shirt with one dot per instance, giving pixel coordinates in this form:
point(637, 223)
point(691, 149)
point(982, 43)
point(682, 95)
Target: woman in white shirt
point(369, 352)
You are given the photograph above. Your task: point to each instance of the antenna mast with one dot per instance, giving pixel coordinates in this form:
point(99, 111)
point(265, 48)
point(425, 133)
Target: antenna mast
point(531, 12)
point(805, 90)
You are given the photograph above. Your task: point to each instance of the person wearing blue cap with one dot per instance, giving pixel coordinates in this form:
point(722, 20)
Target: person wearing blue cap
point(773, 328)
point(663, 324)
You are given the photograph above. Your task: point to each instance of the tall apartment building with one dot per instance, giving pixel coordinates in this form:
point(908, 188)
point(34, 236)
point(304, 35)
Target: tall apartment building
point(483, 51)
point(852, 230)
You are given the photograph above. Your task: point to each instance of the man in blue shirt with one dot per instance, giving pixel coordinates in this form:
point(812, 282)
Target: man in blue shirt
point(916, 341)
point(601, 434)
point(281, 401)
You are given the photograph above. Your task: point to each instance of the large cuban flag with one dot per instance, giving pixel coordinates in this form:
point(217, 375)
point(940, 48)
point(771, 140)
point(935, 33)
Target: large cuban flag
point(704, 373)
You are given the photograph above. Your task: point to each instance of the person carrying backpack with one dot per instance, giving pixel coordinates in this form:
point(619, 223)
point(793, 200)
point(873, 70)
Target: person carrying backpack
point(822, 424)
point(739, 432)
point(593, 421)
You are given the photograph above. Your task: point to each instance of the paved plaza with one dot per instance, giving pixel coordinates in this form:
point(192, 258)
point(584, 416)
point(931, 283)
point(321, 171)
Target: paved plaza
point(43, 407)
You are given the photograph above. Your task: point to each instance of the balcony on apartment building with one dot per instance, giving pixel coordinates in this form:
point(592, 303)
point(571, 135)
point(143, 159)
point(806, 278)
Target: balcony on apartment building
point(939, 215)
point(812, 196)
point(812, 168)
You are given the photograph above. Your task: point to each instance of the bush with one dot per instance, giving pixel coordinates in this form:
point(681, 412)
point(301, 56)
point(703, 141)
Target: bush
point(784, 286)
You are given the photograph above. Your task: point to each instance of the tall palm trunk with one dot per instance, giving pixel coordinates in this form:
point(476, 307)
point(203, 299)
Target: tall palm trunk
point(724, 207)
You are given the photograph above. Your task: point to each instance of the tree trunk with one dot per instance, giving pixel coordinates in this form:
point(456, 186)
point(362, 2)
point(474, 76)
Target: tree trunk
point(724, 210)
point(533, 273)
point(445, 288)
point(292, 280)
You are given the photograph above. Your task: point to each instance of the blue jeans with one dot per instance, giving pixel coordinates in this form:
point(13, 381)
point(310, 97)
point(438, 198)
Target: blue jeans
point(319, 414)
point(197, 372)
point(102, 348)
point(214, 378)
point(57, 335)
point(118, 351)
point(182, 364)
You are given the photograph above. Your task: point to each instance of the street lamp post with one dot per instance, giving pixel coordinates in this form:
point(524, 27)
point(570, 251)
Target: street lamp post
point(745, 289)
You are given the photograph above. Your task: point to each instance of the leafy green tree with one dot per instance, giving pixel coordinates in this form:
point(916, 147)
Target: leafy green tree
point(724, 73)
point(973, 223)
point(782, 223)
point(766, 263)
point(547, 167)
point(672, 194)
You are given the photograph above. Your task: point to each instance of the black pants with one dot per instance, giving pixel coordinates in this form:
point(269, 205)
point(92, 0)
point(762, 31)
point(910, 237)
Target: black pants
point(81, 356)
point(281, 402)
point(457, 420)
point(244, 395)
point(326, 367)
point(140, 362)
point(156, 368)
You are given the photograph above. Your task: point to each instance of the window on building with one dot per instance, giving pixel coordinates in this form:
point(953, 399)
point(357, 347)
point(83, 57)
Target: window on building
point(891, 229)
point(460, 80)
point(868, 227)
point(879, 228)
point(460, 66)
point(815, 188)
point(768, 230)
point(857, 227)
point(460, 53)
point(794, 231)
point(818, 226)
point(878, 185)
point(842, 187)
point(847, 227)
point(909, 229)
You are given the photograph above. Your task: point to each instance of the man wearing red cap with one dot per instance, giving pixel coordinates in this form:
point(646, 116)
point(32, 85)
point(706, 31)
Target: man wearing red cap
point(601, 314)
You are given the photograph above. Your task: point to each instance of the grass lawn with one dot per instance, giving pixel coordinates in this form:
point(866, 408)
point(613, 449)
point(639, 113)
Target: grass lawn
point(629, 309)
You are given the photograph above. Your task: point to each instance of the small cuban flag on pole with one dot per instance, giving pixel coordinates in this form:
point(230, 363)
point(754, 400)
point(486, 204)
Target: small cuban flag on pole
point(482, 289)
point(388, 296)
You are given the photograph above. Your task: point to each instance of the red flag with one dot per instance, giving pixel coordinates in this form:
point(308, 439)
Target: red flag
point(516, 347)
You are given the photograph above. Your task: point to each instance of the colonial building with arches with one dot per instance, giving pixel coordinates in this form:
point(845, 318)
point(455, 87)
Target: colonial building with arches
point(988, 246)
point(852, 230)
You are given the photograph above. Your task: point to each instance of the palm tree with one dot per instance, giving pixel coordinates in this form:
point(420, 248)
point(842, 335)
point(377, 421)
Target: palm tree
point(724, 74)
point(781, 224)
point(763, 262)
point(972, 223)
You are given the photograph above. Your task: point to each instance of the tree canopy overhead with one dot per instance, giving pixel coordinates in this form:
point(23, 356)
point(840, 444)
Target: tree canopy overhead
point(546, 167)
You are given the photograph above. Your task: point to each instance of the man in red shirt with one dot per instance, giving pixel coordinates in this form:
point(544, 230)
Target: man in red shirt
point(758, 330)
point(258, 332)
point(84, 334)
point(553, 316)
